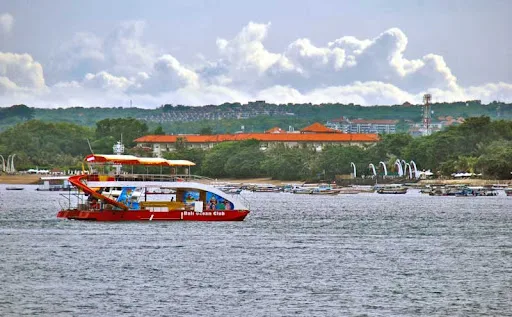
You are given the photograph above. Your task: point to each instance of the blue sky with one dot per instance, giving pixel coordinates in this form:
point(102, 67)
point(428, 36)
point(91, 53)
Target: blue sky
point(90, 53)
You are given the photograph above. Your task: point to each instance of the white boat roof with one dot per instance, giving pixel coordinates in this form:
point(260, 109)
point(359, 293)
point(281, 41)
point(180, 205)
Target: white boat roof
point(48, 178)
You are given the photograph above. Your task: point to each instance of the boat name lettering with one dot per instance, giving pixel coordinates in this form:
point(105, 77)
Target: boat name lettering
point(204, 213)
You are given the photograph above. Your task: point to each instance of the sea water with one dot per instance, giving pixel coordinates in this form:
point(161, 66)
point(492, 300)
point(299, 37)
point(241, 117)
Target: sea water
point(294, 255)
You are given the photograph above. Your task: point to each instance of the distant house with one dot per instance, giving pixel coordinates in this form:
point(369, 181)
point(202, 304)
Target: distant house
point(373, 126)
point(315, 136)
point(363, 126)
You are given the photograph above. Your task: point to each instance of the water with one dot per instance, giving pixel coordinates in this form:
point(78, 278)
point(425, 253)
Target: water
point(347, 255)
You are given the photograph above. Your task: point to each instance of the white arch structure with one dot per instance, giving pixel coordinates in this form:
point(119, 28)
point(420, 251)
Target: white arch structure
point(400, 169)
point(373, 169)
point(9, 168)
point(3, 163)
point(416, 174)
point(385, 168)
point(408, 166)
point(354, 167)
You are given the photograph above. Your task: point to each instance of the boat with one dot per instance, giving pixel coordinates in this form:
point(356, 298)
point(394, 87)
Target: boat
point(508, 191)
point(302, 190)
point(264, 188)
point(319, 191)
point(477, 191)
point(14, 188)
point(355, 189)
point(391, 189)
point(123, 196)
point(54, 183)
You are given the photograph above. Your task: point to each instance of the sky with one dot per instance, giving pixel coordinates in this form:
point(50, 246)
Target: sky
point(59, 53)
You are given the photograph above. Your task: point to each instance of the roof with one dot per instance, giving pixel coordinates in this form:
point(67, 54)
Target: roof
point(319, 128)
point(342, 119)
point(134, 160)
point(265, 137)
point(275, 130)
point(375, 121)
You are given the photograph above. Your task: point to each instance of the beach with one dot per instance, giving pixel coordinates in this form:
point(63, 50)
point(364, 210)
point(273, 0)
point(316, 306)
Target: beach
point(20, 179)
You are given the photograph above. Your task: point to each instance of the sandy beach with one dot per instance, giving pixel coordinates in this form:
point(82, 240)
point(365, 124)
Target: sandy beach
point(25, 179)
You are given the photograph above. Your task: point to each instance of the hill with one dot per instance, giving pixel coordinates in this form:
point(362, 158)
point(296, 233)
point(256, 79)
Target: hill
point(253, 116)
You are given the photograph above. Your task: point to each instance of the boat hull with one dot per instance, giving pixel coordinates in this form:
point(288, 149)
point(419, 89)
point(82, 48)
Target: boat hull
point(147, 215)
point(392, 192)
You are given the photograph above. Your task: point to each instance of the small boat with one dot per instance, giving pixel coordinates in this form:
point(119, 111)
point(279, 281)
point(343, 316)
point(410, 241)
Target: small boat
point(508, 191)
point(319, 191)
point(127, 197)
point(54, 183)
point(391, 189)
point(14, 188)
point(302, 190)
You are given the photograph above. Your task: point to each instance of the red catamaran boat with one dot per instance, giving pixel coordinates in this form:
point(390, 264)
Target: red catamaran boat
point(127, 197)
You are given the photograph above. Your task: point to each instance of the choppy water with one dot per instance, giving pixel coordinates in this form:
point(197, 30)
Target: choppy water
point(347, 255)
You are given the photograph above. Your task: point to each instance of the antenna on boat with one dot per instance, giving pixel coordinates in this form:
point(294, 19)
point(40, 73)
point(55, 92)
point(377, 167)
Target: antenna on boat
point(90, 147)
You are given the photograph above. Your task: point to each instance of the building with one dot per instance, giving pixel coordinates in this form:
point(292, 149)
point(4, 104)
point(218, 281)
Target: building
point(363, 126)
point(315, 136)
point(417, 129)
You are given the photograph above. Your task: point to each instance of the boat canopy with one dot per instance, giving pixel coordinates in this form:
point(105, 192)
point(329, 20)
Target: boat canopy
point(134, 160)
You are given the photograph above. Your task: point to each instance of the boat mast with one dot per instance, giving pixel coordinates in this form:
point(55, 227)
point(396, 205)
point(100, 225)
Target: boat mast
point(118, 149)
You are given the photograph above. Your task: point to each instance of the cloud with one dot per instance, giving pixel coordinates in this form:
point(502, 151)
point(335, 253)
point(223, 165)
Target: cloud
point(89, 70)
point(168, 74)
point(126, 51)
point(82, 54)
point(19, 72)
point(106, 81)
point(6, 23)
point(121, 52)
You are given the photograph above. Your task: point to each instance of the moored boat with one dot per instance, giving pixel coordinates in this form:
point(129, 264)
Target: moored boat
point(392, 189)
point(128, 197)
point(54, 183)
point(14, 188)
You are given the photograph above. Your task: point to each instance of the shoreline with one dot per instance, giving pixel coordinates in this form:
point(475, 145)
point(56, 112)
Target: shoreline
point(27, 179)
point(33, 179)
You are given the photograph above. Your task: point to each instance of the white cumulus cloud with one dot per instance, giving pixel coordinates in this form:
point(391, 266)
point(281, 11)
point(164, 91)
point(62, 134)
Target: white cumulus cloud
point(89, 70)
point(20, 72)
point(6, 23)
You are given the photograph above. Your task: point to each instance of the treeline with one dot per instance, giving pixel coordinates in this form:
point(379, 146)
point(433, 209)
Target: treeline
point(259, 116)
point(479, 145)
point(63, 145)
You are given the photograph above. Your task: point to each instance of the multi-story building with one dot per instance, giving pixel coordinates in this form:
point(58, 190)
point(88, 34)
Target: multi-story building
point(314, 136)
point(363, 126)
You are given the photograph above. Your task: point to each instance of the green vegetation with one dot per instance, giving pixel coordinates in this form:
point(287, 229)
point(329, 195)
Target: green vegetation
point(479, 145)
point(64, 145)
point(255, 117)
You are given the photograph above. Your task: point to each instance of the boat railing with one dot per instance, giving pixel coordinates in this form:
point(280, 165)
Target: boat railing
point(154, 178)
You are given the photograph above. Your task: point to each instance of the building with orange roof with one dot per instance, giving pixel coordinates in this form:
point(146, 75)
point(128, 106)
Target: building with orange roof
point(318, 128)
point(317, 140)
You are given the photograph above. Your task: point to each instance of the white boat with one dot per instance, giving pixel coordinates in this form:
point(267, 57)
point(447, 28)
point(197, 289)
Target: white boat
point(391, 189)
point(54, 183)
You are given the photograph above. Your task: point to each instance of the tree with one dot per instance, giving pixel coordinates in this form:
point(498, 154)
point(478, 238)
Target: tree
point(181, 143)
point(158, 131)
point(497, 160)
point(206, 131)
point(286, 163)
point(127, 128)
